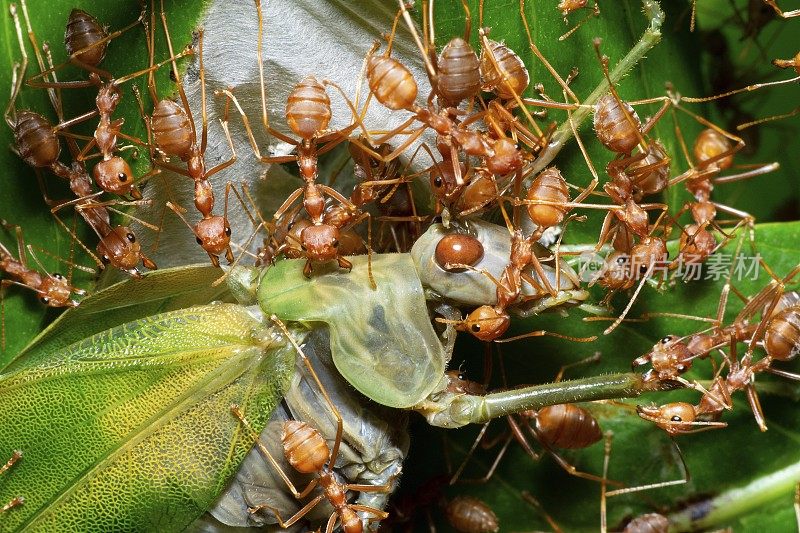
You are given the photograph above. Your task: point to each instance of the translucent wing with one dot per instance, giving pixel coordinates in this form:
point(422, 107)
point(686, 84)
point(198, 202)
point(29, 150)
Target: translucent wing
point(382, 339)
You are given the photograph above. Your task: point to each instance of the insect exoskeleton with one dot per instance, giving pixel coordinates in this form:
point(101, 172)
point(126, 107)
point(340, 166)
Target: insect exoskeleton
point(473, 288)
point(651, 173)
point(120, 248)
point(458, 76)
point(516, 74)
point(618, 131)
point(37, 143)
point(308, 108)
point(711, 143)
point(468, 514)
point(674, 418)
point(84, 31)
point(304, 447)
point(172, 130)
point(458, 248)
point(782, 337)
point(648, 523)
point(549, 186)
point(391, 82)
point(567, 426)
point(696, 243)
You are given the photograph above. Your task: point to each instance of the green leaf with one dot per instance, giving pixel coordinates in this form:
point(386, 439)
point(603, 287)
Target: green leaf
point(131, 428)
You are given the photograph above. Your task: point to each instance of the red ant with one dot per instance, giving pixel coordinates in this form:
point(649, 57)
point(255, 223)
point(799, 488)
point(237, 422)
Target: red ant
point(39, 146)
point(173, 129)
point(306, 450)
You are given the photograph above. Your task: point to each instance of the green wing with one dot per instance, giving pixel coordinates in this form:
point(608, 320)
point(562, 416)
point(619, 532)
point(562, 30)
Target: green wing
point(382, 339)
point(130, 429)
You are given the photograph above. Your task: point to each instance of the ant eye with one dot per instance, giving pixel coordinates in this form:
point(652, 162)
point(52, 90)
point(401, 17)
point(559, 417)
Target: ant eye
point(620, 260)
point(45, 300)
point(57, 276)
point(199, 241)
point(335, 243)
point(666, 339)
point(676, 418)
point(228, 231)
point(122, 177)
point(105, 259)
point(476, 328)
point(131, 237)
point(681, 368)
point(438, 182)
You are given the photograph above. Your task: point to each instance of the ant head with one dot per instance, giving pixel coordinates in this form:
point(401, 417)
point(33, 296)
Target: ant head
point(506, 159)
point(648, 254)
point(703, 212)
point(486, 323)
point(697, 243)
point(213, 234)
point(673, 418)
point(108, 97)
point(458, 248)
point(120, 248)
point(115, 176)
point(321, 242)
point(443, 180)
point(616, 273)
point(55, 291)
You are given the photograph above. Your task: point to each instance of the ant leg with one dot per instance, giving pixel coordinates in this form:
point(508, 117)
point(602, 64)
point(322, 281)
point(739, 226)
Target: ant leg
point(685, 477)
point(322, 389)
point(237, 412)
point(178, 82)
point(297, 516)
point(229, 162)
point(16, 455)
point(251, 137)
point(783, 14)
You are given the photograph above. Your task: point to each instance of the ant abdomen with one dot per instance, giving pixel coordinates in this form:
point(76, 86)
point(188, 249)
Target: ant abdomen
point(648, 523)
point(458, 248)
point(654, 169)
point(549, 186)
point(83, 31)
point(308, 108)
point(471, 515)
point(510, 63)
point(172, 129)
point(459, 76)
point(711, 143)
point(782, 338)
point(613, 128)
point(35, 139)
point(391, 82)
point(567, 426)
point(304, 447)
